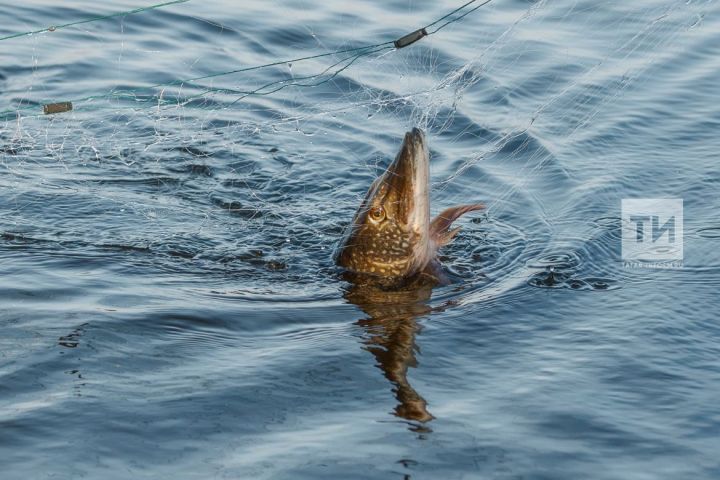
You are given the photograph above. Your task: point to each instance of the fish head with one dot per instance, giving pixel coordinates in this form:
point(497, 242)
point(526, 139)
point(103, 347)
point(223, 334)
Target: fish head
point(389, 235)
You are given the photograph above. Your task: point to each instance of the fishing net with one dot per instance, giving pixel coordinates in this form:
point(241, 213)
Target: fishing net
point(258, 168)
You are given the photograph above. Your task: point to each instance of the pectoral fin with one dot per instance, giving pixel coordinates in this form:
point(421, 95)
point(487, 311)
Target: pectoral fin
point(440, 230)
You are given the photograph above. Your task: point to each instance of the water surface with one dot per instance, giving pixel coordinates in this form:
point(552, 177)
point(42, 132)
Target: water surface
point(169, 302)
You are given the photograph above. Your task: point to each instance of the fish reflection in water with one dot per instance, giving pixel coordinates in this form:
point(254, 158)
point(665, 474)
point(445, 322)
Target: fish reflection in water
point(391, 328)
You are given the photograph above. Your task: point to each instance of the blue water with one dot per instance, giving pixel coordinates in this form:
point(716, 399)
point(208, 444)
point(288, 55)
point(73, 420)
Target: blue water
point(169, 305)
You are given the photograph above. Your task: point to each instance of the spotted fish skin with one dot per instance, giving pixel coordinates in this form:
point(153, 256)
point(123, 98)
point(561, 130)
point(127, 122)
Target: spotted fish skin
point(391, 235)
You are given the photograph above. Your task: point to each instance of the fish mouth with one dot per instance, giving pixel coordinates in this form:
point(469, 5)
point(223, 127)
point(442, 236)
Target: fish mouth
point(408, 182)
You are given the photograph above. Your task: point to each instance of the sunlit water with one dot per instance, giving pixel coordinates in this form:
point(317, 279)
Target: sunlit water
point(170, 308)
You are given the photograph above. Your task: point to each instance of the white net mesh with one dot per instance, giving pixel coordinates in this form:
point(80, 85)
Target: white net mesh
point(261, 168)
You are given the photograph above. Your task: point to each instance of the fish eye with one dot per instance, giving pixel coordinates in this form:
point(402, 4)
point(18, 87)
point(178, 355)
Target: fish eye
point(377, 214)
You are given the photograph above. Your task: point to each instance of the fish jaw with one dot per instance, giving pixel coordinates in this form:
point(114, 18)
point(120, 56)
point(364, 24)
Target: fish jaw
point(414, 158)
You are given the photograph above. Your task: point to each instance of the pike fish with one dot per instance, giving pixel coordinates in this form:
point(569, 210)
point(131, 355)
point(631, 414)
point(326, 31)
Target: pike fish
point(391, 237)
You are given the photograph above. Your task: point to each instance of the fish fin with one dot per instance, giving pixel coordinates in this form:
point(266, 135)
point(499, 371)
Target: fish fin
point(446, 237)
point(440, 226)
